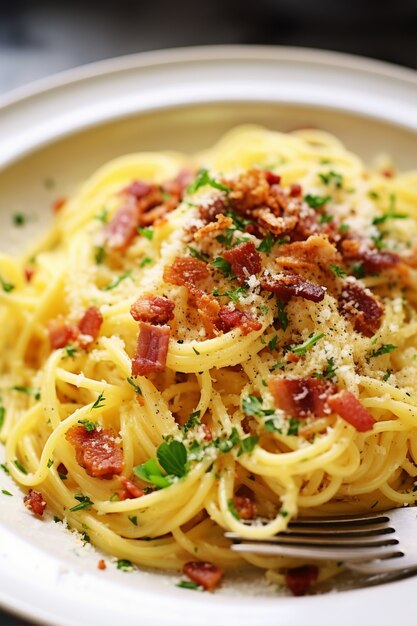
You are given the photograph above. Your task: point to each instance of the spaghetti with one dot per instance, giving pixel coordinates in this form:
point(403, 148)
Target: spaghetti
point(201, 342)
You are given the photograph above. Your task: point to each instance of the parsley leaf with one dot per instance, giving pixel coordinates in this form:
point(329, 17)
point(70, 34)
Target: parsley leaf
point(388, 216)
point(133, 519)
point(4, 468)
point(378, 241)
point(30, 391)
point(196, 254)
point(203, 178)
point(19, 219)
point(125, 565)
point(146, 232)
point(247, 444)
point(6, 493)
point(325, 218)
point(70, 350)
point(232, 509)
point(88, 424)
point(99, 402)
point(266, 244)
point(146, 261)
point(150, 472)
point(343, 228)
point(136, 387)
point(301, 350)
point(384, 349)
point(192, 422)
point(222, 266)
point(84, 502)
point(188, 584)
point(7, 287)
point(172, 456)
point(386, 375)
point(315, 202)
point(336, 269)
point(50, 463)
point(332, 178)
point(282, 314)
point(20, 466)
point(103, 216)
point(117, 281)
point(358, 270)
point(329, 371)
point(99, 255)
point(2, 415)
point(272, 344)
point(239, 222)
point(252, 407)
point(237, 293)
point(293, 427)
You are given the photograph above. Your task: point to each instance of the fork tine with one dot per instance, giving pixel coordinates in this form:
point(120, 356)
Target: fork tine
point(328, 541)
point(368, 530)
point(340, 520)
point(384, 566)
point(318, 553)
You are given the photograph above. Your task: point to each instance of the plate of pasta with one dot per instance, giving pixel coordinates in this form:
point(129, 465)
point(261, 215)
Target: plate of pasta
point(219, 339)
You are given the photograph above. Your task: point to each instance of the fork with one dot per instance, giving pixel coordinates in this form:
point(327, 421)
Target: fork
point(374, 543)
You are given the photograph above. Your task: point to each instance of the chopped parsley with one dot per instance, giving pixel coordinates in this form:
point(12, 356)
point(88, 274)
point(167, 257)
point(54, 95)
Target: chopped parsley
point(4, 468)
point(20, 466)
point(196, 254)
point(70, 350)
point(226, 239)
point(222, 266)
point(192, 422)
point(247, 444)
point(272, 344)
point(133, 519)
point(391, 215)
point(196, 351)
point(84, 502)
point(378, 241)
point(384, 349)
point(50, 463)
point(293, 427)
point(2, 415)
point(99, 402)
point(136, 387)
point(301, 350)
point(239, 222)
point(118, 280)
point(88, 424)
point(358, 270)
point(19, 219)
point(99, 255)
point(332, 178)
point(103, 216)
point(6, 493)
point(343, 228)
point(7, 287)
point(172, 457)
point(188, 584)
point(329, 371)
point(282, 314)
point(337, 270)
point(146, 232)
point(203, 178)
point(315, 202)
point(252, 407)
point(125, 565)
point(29, 391)
point(386, 375)
point(266, 244)
point(280, 365)
point(146, 261)
point(373, 195)
point(325, 218)
point(232, 509)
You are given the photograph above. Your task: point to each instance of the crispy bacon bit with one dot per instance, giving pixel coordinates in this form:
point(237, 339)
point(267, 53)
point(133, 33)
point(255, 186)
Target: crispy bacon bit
point(96, 451)
point(89, 326)
point(138, 189)
point(301, 397)
point(101, 564)
point(186, 271)
point(362, 307)
point(300, 256)
point(245, 261)
point(373, 260)
point(273, 179)
point(58, 204)
point(300, 579)
point(34, 502)
point(227, 320)
point(350, 409)
point(288, 285)
point(295, 190)
point(61, 469)
point(151, 349)
point(122, 229)
point(152, 309)
point(29, 272)
point(245, 507)
point(222, 222)
point(203, 573)
point(60, 333)
point(129, 489)
point(276, 224)
point(208, 309)
point(208, 435)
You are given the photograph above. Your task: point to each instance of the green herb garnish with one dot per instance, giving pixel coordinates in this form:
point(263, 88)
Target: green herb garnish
point(232, 509)
point(88, 424)
point(203, 178)
point(99, 255)
point(266, 244)
point(136, 387)
point(336, 269)
point(117, 282)
point(192, 422)
point(222, 266)
point(315, 202)
point(133, 519)
point(7, 287)
point(103, 216)
point(196, 254)
point(84, 502)
point(332, 178)
point(188, 584)
point(301, 350)
point(384, 349)
point(146, 261)
point(19, 219)
point(146, 232)
point(29, 391)
point(99, 402)
point(125, 565)
point(20, 466)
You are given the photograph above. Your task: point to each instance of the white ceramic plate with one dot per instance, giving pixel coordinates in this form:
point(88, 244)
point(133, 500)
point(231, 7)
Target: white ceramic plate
point(53, 135)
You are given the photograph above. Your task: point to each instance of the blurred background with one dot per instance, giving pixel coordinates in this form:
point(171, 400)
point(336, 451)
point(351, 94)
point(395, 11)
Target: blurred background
point(42, 37)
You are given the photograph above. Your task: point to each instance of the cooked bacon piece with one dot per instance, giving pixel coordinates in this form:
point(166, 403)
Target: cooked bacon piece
point(301, 397)
point(29, 272)
point(89, 326)
point(208, 435)
point(58, 204)
point(362, 307)
point(288, 285)
point(122, 229)
point(245, 507)
point(295, 190)
point(276, 224)
point(35, 502)
point(273, 179)
point(300, 579)
point(222, 222)
point(350, 409)
point(96, 451)
point(101, 564)
point(203, 573)
point(129, 489)
point(245, 261)
point(152, 309)
point(62, 470)
point(249, 191)
point(208, 309)
point(373, 261)
point(186, 271)
point(227, 320)
point(60, 333)
point(138, 189)
point(151, 349)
